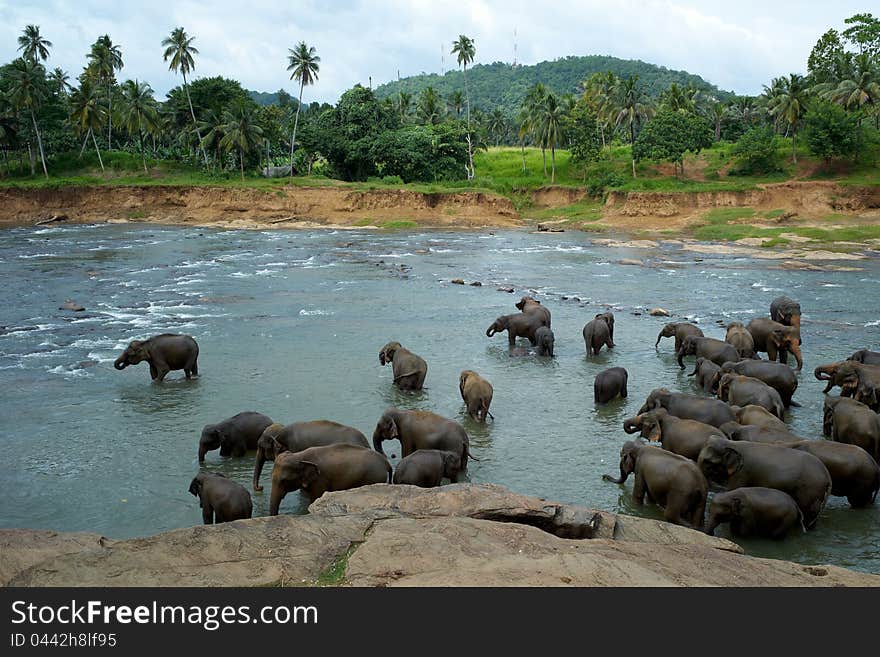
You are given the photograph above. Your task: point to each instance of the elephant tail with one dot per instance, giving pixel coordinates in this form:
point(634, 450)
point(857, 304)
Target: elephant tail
point(801, 520)
point(404, 375)
point(469, 454)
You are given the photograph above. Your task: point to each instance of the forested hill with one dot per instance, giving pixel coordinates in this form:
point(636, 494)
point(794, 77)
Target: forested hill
point(505, 86)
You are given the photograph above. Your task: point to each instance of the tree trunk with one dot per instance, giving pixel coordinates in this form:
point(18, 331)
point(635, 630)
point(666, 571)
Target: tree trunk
point(467, 96)
point(109, 115)
point(717, 129)
point(632, 145)
point(31, 159)
point(97, 150)
point(295, 124)
point(241, 161)
point(522, 147)
point(143, 154)
point(195, 123)
point(85, 143)
point(794, 146)
point(552, 164)
point(544, 155)
point(40, 144)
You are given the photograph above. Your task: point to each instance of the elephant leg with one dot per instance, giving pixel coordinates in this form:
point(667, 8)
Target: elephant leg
point(771, 352)
point(154, 373)
point(194, 370)
point(207, 513)
point(511, 338)
point(783, 356)
point(640, 489)
point(162, 373)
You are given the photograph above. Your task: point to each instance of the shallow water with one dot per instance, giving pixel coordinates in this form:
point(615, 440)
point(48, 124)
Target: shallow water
point(290, 324)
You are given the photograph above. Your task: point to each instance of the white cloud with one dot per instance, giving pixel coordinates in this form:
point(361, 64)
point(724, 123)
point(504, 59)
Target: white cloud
point(738, 46)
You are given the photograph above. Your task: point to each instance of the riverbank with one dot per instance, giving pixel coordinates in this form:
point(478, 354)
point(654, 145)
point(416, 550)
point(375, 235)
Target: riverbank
point(382, 535)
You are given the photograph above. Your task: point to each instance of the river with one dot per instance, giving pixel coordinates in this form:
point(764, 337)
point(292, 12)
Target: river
point(290, 324)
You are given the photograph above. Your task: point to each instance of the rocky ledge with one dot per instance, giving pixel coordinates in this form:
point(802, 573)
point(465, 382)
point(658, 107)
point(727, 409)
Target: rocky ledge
point(382, 535)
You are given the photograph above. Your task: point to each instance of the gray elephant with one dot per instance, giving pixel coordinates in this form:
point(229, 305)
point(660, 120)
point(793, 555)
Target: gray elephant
point(609, 319)
point(779, 376)
point(409, 370)
point(866, 357)
point(683, 437)
point(317, 470)
point(708, 374)
point(545, 341)
point(679, 330)
point(758, 416)
point(277, 438)
point(669, 480)
point(531, 306)
point(476, 392)
point(855, 475)
point(609, 384)
point(740, 390)
point(221, 499)
point(741, 339)
point(776, 339)
point(597, 334)
point(847, 374)
point(518, 325)
point(743, 464)
point(756, 434)
point(755, 511)
point(786, 311)
point(164, 353)
point(849, 421)
point(427, 467)
point(421, 430)
point(689, 407)
point(718, 351)
point(234, 436)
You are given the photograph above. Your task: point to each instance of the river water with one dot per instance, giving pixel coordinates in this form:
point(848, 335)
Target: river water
point(290, 324)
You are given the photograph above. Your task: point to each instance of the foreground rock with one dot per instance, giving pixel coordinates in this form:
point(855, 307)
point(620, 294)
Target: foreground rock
point(381, 535)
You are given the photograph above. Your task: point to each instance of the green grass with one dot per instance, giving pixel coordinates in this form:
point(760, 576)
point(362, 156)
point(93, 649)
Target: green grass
point(398, 225)
point(584, 211)
point(334, 575)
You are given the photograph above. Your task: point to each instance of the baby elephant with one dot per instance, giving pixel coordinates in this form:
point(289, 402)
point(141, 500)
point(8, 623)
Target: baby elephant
point(221, 499)
point(755, 511)
point(409, 369)
point(608, 384)
point(545, 339)
point(163, 353)
point(427, 467)
point(476, 393)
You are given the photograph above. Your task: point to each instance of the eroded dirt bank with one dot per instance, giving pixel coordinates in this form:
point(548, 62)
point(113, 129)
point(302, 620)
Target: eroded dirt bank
point(385, 535)
point(287, 207)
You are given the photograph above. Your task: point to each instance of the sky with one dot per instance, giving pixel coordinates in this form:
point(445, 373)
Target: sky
point(737, 45)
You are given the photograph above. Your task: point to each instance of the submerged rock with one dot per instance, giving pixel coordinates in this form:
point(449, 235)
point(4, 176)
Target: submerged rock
point(658, 312)
point(457, 281)
point(71, 305)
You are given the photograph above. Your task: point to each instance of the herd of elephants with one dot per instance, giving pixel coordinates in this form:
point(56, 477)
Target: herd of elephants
point(765, 480)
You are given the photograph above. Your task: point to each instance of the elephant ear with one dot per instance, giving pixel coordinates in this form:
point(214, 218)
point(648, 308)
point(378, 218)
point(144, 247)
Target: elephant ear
point(309, 473)
point(279, 447)
point(461, 379)
point(195, 486)
point(736, 505)
point(732, 461)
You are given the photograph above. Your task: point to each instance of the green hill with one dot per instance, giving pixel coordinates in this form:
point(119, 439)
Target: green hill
point(503, 85)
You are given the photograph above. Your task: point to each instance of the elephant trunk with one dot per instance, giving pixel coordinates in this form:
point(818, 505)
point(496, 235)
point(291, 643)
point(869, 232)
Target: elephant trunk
point(258, 467)
point(623, 476)
point(203, 449)
point(712, 523)
point(659, 335)
point(377, 442)
point(633, 424)
point(120, 363)
point(275, 500)
point(679, 357)
point(796, 350)
point(823, 372)
point(490, 331)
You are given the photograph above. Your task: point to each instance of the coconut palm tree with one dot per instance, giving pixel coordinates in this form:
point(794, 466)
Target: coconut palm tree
point(456, 102)
point(212, 126)
point(550, 123)
point(34, 48)
point(240, 132)
point(60, 81)
point(599, 92)
point(26, 93)
point(430, 107)
point(104, 60)
point(464, 50)
point(788, 104)
point(180, 50)
point(138, 114)
point(304, 64)
point(87, 114)
point(532, 108)
point(862, 89)
point(496, 125)
point(404, 105)
point(632, 107)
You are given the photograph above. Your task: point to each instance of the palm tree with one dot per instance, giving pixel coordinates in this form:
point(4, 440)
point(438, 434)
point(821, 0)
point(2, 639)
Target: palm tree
point(213, 125)
point(304, 64)
point(404, 105)
point(860, 90)
point(599, 91)
point(715, 112)
point(59, 79)
point(632, 107)
point(138, 113)
point(179, 49)
point(240, 131)
point(551, 117)
point(456, 102)
point(788, 103)
point(104, 60)
point(430, 106)
point(87, 114)
point(34, 47)
point(532, 108)
point(496, 124)
point(465, 51)
point(27, 90)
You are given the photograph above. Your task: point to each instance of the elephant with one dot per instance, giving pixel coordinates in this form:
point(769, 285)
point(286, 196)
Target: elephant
point(680, 330)
point(755, 511)
point(518, 325)
point(317, 470)
point(737, 464)
point(708, 374)
point(756, 434)
point(849, 421)
point(855, 475)
point(669, 480)
point(741, 339)
point(683, 437)
point(476, 393)
point(689, 407)
point(867, 393)
point(778, 376)
point(609, 319)
point(277, 438)
point(427, 467)
point(758, 416)
point(597, 334)
point(409, 370)
point(234, 436)
point(740, 390)
point(847, 374)
point(786, 311)
point(866, 357)
point(545, 340)
point(718, 351)
point(609, 384)
point(531, 306)
point(221, 499)
point(421, 430)
point(164, 353)
point(776, 339)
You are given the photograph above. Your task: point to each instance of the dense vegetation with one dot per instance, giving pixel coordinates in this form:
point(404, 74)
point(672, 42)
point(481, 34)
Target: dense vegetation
point(613, 128)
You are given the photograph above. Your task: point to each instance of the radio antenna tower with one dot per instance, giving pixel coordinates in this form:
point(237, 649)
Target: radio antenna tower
point(442, 60)
point(514, 47)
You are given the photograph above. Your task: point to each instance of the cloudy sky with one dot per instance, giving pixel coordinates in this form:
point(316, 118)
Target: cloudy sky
point(738, 45)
